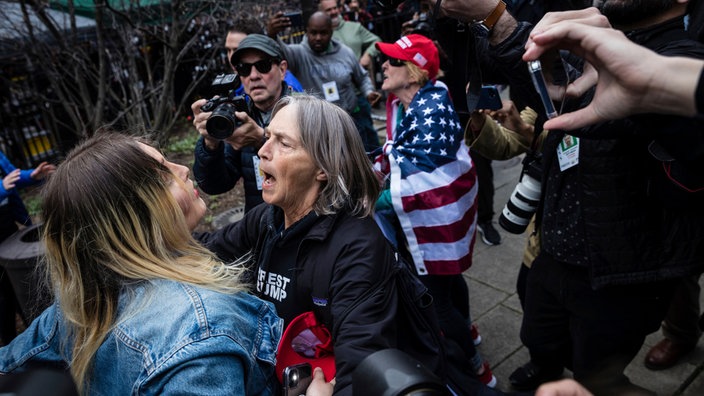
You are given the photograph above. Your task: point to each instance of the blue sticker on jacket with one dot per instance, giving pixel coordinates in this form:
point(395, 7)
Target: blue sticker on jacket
point(319, 301)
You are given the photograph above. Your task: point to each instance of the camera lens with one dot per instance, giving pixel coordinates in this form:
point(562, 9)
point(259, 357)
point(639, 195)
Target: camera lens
point(293, 379)
point(521, 206)
point(222, 122)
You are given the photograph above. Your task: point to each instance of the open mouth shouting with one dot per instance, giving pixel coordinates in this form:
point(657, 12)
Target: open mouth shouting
point(269, 180)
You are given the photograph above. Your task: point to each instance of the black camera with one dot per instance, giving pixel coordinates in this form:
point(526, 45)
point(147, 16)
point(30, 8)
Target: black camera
point(222, 122)
point(394, 372)
point(524, 200)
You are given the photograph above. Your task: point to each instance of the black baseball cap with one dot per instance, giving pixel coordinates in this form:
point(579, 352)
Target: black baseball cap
point(258, 42)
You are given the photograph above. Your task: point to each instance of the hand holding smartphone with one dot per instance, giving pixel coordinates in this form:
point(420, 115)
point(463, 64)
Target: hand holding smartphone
point(536, 74)
point(489, 98)
point(295, 17)
point(296, 379)
point(550, 80)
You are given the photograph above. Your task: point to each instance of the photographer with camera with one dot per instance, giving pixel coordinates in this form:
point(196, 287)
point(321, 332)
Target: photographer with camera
point(232, 126)
point(617, 229)
point(502, 134)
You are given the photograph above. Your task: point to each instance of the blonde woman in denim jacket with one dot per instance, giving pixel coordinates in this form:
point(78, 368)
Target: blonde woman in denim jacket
point(141, 308)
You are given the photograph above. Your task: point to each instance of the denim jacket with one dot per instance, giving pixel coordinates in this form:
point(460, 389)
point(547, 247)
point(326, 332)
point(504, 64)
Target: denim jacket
point(170, 338)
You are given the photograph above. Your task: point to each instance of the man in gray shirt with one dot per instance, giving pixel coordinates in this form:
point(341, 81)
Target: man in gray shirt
point(324, 66)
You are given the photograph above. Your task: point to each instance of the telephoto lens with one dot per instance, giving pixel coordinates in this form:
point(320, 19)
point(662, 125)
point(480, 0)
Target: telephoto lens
point(524, 200)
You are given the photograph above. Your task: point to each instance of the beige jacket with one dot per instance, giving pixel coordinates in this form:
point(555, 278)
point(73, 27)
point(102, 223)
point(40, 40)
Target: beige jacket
point(498, 143)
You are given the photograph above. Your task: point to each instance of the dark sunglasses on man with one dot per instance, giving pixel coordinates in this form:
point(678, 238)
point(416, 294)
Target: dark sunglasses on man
point(263, 66)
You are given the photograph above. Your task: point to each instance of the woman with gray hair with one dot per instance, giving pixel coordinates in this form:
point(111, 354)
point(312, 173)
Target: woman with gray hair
point(320, 190)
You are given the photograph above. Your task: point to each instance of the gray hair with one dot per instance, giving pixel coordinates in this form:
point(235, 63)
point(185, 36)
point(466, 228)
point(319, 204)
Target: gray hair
point(330, 137)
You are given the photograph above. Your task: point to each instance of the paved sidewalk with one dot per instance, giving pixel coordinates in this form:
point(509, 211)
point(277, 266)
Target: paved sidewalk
point(496, 309)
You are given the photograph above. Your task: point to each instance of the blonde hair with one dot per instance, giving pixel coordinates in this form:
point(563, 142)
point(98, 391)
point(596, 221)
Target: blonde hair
point(109, 219)
point(331, 138)
point(416, 73)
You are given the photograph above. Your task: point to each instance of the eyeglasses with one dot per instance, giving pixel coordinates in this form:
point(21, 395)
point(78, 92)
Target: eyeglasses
point(263, 66)
point(396, 62)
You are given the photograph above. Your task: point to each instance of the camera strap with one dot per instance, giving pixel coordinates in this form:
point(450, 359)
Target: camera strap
point(436, 12)
point(474, 72)
point(472, 65)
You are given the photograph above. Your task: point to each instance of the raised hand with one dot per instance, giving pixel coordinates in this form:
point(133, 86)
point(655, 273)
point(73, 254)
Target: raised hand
point(43, 170)
point(9, 181)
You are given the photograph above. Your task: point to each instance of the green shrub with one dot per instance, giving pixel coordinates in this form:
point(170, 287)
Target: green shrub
point(33, 204)
point(32, 201)
point(182, 144)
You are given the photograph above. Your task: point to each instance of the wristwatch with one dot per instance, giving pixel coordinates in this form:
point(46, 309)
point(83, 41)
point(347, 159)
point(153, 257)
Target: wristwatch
point(488, 23)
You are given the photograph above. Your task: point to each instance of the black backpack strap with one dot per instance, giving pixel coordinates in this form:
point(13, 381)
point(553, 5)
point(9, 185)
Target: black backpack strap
point(420, 336)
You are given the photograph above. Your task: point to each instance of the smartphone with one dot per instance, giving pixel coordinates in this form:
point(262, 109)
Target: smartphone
point(296, 379)
point(295, 17)
point(536, 74)
point(489, 98)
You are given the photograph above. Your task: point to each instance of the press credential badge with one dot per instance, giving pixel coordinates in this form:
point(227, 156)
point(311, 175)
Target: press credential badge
point(568, 152)
point(331, 92)
point(259, 175)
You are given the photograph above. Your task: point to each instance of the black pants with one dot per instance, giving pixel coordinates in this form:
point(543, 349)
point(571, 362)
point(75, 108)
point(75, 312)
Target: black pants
point(596, 333)
point(365, 125)
point(485, 179)
point(521, 284)
point(485, 195)
point(681, 322)
point(451, 300)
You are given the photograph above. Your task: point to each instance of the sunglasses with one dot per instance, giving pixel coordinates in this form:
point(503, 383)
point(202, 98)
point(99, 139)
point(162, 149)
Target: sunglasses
point(263, 66)
point(395, 62)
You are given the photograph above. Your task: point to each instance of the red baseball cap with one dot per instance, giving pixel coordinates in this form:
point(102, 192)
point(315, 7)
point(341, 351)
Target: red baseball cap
point(305, 340)
point(414, 48)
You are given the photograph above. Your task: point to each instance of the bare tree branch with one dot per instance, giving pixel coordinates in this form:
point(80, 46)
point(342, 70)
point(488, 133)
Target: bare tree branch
point(136, 68)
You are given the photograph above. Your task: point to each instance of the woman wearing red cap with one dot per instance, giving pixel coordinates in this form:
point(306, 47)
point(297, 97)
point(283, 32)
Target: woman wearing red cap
point(428, 209)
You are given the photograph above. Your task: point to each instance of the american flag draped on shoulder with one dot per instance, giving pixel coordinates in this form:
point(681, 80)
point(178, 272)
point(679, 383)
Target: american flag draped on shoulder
point(433, 182)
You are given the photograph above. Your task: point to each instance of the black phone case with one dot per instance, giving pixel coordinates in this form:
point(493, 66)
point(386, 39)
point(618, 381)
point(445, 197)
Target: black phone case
point(296, 379)
point(489, 98)
point(296, 18)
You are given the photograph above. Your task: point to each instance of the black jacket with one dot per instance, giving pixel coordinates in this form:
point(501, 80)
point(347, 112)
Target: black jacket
point(218, 171)
point(361, 259)
point(636, 224)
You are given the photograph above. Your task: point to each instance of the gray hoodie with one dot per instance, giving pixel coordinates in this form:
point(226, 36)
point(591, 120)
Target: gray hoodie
point(331, 75)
